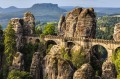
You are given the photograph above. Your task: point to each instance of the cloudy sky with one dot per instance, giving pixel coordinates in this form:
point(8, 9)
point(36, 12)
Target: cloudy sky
point(82, 3)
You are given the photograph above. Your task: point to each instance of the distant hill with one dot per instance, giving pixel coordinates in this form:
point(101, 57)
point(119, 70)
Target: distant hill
point(10, 9)
point(44, 12)
point(47, 12)
point(100, 11)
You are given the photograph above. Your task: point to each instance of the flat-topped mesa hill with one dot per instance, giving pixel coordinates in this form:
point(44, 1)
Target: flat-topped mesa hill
point(78, 22)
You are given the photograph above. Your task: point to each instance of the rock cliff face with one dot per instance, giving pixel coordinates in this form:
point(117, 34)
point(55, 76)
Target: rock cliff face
point(36, 67)
point(109, 70)
point(79, 22)
point(116, 35)
point(55, 67)
point(85, 72)
point(29, 23)
point(25, 26)
point(18, 62)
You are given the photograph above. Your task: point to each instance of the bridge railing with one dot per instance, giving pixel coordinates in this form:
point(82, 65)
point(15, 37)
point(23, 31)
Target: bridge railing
point(105, 41)
point(79, 39)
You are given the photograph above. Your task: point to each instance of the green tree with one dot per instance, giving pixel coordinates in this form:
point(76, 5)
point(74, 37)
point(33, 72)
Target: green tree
point(9, 43)
point(49, 29)
point(16, 74)
point(9, 51)
point(116, 60)
point(28, 50)
point(38, 29)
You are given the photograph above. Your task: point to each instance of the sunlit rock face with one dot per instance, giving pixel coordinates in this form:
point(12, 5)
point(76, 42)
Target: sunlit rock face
point(17, 24)
point(25, 25)
point(55, 67)
point(29, 23)
point(36, 67)
point(18, 61)
point(79, 22)
point(84, 72)
point(109, 70)
point(116, 35)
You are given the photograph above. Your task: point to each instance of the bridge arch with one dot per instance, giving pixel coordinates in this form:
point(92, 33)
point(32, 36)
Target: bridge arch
point(98, 55)
point(100, 49)
point(37, 40)
point(70, 44)
point(49, 42)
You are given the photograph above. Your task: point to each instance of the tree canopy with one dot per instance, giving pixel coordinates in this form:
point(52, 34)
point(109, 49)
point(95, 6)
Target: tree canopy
point(9, 43)
point(49, 29)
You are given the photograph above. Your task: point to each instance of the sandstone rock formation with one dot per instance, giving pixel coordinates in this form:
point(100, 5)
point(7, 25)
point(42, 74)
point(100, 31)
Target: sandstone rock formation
point(55, 67)
point(36, 67)
point(85, 72)
point(18, 62)
point(17, 24)
point(79, 22)
point(25, 26)
point(29, 23)
point(116, 35)
point(109, 70)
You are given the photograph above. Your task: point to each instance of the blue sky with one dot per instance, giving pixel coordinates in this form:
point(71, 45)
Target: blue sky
point(82, 3)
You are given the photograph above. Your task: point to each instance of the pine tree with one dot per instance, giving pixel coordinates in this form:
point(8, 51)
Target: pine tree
point(9, 51)
point(9, 43)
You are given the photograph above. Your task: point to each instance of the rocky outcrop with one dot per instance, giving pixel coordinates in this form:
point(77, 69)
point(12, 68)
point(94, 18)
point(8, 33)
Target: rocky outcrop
point(17, 24)
point(18, 62)
point(55, 67)
point(116, 35)
point(109, 70)
point(29, 23)
point(24, 26)
point(85, 72)
point(36, 67)
point(78, 22)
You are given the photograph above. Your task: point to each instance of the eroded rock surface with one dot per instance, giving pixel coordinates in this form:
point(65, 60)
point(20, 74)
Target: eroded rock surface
point(29, 23)
point(36, 67)
point(18, 61)
point(25, 25)
point(84, 72)
point(55, 67)
point(78, 22)
point(116, 35)
point(109, 70)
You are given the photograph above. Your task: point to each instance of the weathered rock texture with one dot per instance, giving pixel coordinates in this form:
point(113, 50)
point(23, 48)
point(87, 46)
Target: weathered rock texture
point(55, 67)
point(109, 70)
point(18, 62)
point(85, 72)
point(78, 22)
point(29, 23)
point(116, 35)
point(25, 26)
point(36, 67)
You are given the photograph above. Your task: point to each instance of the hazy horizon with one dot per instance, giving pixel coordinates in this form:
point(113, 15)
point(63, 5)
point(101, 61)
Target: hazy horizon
point(81, 3)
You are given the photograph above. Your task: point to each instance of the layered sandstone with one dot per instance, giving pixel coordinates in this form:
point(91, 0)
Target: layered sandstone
point(55, 67)
point(116, 35)
point(79, 22)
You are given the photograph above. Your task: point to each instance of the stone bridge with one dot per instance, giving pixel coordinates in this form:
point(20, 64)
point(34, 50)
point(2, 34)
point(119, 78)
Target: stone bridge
point(87, 43)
